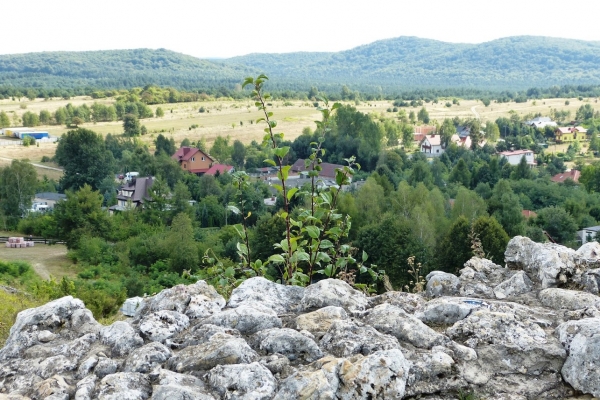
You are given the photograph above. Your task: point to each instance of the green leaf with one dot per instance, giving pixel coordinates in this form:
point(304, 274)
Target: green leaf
point(363, 269)
point(248, 81)
point(313, 231)
point(242, 248)
point(365, 256)
point(299, 256)
point(233, 209)
point(229, 272)
point(291, 193)
point(281, 152)
point(284, 173)
point(277, 258)
point(270, 162)
point(329, 271)
point(326, 244)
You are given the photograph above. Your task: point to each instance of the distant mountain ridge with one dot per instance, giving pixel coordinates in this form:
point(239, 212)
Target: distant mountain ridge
point(393, 64)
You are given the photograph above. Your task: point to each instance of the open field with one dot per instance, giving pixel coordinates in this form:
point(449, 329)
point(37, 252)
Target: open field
point(233, 119)
point(46, 260)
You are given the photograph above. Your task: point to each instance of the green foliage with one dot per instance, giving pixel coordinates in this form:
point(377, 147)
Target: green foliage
point(159, 112)
point(17, 188)
point(85, 159)
point(164, 145)
point(558, 223)
point(131, 125)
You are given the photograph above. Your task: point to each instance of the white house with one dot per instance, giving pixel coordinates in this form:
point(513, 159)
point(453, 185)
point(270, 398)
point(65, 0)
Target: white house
point(432, 145)
point(588, 234)
point(514, 157)
point(541, 122)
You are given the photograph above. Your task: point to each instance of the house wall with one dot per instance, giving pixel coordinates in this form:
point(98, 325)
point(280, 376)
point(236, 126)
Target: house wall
point(516, 159)
point(198, 161)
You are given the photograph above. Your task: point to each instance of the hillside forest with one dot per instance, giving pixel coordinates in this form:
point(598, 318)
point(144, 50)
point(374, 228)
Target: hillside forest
point(390, 216)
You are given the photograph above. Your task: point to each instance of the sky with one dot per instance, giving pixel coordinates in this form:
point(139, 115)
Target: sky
point(227, 28)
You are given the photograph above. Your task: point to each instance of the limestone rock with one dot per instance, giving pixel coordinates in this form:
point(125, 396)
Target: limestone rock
point(568, 299)
point(546, 263)
point(247, 318)
point(219, 350)
point(124, 386)
point(201, 299)
point(200, 334)
point(289, 343)
point(448, 310)
point(144, 359)
point(517, 284)
point(85, 388)
point(318, 322)
point(173, 386)
point(442, 284)
point(279, 298)
point(394, 321)
point(590, 281)
point(105, 367)
point(346, 338)
point(55, 387)
point(161, 325)
point(321, 382)
point(433, 372)
point(333, 292)
point(567, 331)
point(51, 317)
point(409, 302)
point(582, 367)
point(242, 381)
point(121, 338)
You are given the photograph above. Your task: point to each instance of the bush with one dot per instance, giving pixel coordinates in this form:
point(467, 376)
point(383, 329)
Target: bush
point(28, 140)
point(202, 109)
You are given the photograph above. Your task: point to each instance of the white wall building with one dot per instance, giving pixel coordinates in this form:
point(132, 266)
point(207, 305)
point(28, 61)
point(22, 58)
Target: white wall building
point(432, 145)
point(514, 157)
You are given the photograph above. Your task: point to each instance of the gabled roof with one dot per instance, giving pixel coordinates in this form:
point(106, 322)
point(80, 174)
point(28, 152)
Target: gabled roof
point(185, 153)
point(515, 153)
point(327, 169)
point(140, 187)
point(571, 129)
point(528, 214)
point(50, 196)
point(220, 168)
point(433, 140)
point(573, 174)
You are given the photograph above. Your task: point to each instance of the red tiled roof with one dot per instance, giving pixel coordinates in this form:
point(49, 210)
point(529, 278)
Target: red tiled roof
point(573, 174)
point(220, 168)
point(198, 170)
point(185, 153)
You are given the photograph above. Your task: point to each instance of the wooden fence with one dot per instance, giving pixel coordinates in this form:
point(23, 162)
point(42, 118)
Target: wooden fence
point(35, 239)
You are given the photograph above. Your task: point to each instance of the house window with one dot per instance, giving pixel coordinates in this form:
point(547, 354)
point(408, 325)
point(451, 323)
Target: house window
point(437, 151)
point(192, 159)
point(202, 158)
point(184, 165)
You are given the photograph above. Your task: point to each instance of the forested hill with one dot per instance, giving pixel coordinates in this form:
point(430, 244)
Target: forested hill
point(383, 66)
point(117, 69)
point(514, 62)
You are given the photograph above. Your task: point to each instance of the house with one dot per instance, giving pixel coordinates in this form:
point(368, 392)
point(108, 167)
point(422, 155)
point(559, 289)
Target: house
point(528, 214)
point(514, 157)
point(432, 146)
point(48, 199)
point(220, 169)
point(327, 169)
point(569, 134)
point(588, 234)
point(133, 194)
point(540, 122)
point(464, 141)
point(193, 160)
point(572, 174)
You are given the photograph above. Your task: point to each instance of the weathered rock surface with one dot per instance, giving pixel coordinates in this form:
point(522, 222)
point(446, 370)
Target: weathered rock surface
point(530, 330)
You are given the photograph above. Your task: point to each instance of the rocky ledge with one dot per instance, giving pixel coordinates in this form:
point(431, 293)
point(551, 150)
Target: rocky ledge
point(528, 330)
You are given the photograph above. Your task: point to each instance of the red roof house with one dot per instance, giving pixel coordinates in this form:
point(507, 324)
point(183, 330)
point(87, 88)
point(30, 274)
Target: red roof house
point(193, 160)
point(220, 168)
point(572, 174)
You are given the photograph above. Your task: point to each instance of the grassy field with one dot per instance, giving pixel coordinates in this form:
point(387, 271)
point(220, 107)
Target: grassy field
point(46, 260)
point(233, 119)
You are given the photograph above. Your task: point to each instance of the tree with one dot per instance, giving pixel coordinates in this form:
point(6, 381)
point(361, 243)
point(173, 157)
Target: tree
point(475, 133)
point(180, 239)
point(446, 131)
point(81, 214)
point(492, 237)
point(585, 112)
point(460, 173)
point(455, 249)
point(45, 117)
point(30, 119)
point(83, 155)
point(159, 112)
point(411, 117)
point(423, 115)
point(4, 120)
point(17, 188)
point(221, 149)
point(468, 204)
point(492, 132)
point(131, 125)
point(238, 154)
point(557, 222)
point(522, 170)
point(164, 145)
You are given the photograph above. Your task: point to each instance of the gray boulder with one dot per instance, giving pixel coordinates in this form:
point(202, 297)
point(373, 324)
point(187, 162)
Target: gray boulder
point(568, 299)
point(546, 263)
point(85, 388)
point(53, 388)
point(279, 298)
point(409, 302)
point(448, 310)
point(104, 367)
point(206, 300)
point(442, 284)
point(582, 367)
point(289, 343)
point(51, 317)
point(161, 325)
point(434, 372)
point(219, 350)
point(247, 318)
point(144, 359)
point(242, 381)
point(173, 386)
point(333, 292)
point(124, 386)
point(516, 285)
point(121, 338)
point(200, 334)
point(318, 322)
point(590, 281)
point(394, 321)
point(346, 338)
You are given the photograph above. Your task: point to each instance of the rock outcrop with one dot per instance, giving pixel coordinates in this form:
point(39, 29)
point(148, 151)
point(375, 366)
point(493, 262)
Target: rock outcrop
point(527, 330)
